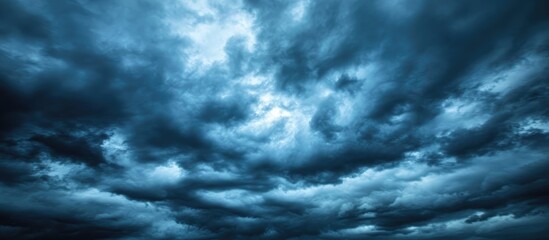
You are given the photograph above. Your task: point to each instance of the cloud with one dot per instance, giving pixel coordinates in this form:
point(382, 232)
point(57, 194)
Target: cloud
point(273, 120)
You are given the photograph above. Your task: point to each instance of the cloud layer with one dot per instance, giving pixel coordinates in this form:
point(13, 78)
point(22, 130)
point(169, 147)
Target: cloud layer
point(274, 119)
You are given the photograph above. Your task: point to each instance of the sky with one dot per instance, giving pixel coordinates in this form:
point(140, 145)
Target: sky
point(245, 119)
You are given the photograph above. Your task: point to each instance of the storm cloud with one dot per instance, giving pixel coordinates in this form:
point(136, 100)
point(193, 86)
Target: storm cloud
point(304, 119)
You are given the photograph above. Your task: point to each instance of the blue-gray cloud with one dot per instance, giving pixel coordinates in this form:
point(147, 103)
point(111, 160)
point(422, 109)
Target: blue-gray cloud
point(274, 120)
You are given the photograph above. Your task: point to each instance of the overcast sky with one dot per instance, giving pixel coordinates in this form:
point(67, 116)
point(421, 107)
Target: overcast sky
point(370, 119)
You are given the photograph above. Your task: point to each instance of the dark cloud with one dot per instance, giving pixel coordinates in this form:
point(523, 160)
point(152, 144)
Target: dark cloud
point(274, 120)
point(322, 120)
point(81, 148)
point(223, 111)
point(344, 82)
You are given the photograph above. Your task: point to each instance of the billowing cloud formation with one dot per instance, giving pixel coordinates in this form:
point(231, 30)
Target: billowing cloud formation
point(274, 119)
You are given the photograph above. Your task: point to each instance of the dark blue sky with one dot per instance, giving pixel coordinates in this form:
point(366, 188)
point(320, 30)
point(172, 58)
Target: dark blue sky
point(385, 119)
